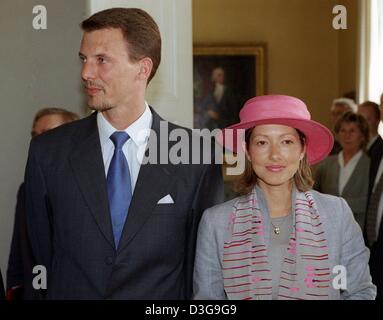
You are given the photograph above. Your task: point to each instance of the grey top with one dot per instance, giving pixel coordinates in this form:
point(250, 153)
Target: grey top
point(356, 189)
point(344, 238)
point(279, 244)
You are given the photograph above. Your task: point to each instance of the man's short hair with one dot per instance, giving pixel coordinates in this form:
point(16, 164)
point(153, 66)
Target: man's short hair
point(138, 27)
point(374, 106)
point(345, 101)
point(67, 116)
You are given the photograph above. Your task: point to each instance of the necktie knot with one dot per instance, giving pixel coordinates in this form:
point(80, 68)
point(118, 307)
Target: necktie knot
point(119, 138)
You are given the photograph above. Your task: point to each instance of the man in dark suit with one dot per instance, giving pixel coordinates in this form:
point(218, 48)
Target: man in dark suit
point(105, 223)
point(20, 262)
point(374, 224)
point(370, 111)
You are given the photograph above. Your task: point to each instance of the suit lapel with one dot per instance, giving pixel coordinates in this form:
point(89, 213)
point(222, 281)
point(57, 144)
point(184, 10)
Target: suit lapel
point(88, 168)
point(357, 172)
point(334, 184)
point(152, 184)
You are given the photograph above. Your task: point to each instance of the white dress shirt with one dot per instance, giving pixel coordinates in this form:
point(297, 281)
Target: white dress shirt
point(347, 170)
point(138, 131)
point(218, 92)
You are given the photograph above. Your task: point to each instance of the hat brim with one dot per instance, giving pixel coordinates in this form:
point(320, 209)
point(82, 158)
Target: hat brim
point(319, 139)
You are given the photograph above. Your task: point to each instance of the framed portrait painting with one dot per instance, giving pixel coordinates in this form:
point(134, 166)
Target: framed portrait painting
point(224, 77)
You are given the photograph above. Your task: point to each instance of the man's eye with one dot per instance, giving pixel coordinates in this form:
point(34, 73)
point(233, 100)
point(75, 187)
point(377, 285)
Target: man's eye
point(288, 141)
point(101, 60)
point(260, 143)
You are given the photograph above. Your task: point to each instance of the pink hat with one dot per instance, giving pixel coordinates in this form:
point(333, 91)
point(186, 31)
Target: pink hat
point(285, 110)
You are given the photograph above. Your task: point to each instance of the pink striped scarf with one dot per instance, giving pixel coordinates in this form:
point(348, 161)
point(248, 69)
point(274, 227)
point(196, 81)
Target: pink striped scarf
point(305, 272)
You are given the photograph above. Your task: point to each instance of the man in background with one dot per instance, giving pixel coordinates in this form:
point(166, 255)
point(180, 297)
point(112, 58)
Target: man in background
point(338, 107)
point(370, 111)
point(374, 223)
point(20, 263)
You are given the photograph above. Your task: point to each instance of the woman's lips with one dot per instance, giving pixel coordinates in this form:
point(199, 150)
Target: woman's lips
point(275, 168)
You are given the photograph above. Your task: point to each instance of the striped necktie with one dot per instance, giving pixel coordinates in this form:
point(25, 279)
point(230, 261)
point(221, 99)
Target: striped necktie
point(372, 212)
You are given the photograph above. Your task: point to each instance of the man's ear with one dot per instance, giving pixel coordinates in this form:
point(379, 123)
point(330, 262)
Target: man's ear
point(145, 68)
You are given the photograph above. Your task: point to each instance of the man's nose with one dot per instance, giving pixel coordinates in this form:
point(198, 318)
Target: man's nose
point(87, 71)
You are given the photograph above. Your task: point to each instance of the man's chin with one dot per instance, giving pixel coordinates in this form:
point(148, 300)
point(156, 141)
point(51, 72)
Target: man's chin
point(97, 107)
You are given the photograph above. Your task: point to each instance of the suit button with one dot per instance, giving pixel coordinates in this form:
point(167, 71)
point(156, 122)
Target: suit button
point(109, 260)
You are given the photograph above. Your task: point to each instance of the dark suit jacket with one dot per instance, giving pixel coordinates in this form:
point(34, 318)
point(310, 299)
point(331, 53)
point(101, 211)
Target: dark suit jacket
point(375, 152)
point(376, 260)
point(70, 227)
point(20, 262)
point(2, 294)
point(379, 267)
point(376, 264)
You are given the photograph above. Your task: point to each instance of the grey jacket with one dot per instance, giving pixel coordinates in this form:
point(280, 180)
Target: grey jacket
point(356, 189)
point(345, 242)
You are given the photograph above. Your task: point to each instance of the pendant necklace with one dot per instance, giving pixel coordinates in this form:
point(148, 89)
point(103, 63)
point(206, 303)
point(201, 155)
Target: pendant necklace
point(277, 229)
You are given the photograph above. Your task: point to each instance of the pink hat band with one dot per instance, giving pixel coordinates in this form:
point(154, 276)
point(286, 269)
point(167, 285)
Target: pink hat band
point(284, 110)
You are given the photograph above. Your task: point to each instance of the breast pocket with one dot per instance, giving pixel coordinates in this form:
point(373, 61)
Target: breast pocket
point(170, 208)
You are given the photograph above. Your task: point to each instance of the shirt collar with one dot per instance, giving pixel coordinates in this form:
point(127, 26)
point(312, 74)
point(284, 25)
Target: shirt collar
point(138, 131)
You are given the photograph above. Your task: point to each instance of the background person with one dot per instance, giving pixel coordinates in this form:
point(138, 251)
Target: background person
point(338, 107)
point(281, 239)
point(347, 174)
point(20, 262)
point(374, 223)
point(370, 111)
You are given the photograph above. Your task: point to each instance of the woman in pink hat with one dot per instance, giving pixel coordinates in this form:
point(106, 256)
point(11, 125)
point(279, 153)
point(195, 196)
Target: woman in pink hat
point(280, 239)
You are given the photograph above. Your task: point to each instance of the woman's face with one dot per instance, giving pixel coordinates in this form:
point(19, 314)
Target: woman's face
point(275, 152)
point(350, 136)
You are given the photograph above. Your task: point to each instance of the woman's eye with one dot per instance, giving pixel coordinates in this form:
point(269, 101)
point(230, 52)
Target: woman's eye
point(260, 143)
point(288, 141)
point(101, 60)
